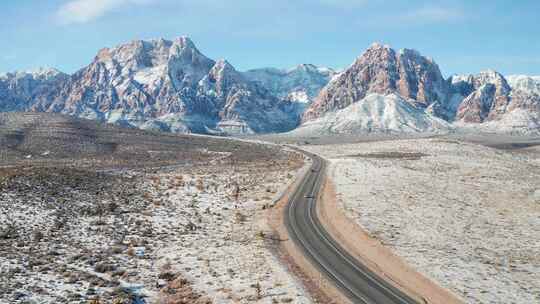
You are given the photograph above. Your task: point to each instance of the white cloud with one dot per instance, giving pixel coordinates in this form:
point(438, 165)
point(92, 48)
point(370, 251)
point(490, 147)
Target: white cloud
point(82, 11)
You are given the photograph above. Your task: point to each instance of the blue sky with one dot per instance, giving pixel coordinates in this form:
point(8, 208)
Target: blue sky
point(462, 36)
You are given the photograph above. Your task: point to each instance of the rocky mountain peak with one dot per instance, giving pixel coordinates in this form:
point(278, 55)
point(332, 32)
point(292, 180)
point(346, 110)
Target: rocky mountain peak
point(224, 76)
point(492, 77)
point(305, 67)
point(184, 48)
point(378, 46)
point(382, 71)
point(377, 53)
point(310, 71)
point(170, 85)
point(139, 54)
point(486, 96)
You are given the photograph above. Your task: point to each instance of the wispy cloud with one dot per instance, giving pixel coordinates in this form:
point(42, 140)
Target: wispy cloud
point(343, 3)
point(82, 11)
point(431, 14)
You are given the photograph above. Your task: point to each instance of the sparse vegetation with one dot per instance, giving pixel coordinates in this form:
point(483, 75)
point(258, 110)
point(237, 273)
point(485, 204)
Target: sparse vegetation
point(100, 226)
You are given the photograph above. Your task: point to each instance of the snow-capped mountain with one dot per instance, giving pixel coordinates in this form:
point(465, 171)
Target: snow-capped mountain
point(171, 86)
point(167, 85)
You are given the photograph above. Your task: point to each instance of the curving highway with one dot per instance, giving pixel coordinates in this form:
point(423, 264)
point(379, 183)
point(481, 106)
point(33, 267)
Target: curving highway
point(354, 279)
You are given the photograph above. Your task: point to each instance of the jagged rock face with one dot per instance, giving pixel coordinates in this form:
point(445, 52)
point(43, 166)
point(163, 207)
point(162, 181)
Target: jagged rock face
point(165, 85)
point(17, 90)
point(139, 80)
point(381, 70)
point(486, 97)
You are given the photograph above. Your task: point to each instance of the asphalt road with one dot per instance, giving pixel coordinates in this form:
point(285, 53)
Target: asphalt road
point(357, 282)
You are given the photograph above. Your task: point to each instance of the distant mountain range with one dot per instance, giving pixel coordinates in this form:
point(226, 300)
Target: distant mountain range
point(171, 86)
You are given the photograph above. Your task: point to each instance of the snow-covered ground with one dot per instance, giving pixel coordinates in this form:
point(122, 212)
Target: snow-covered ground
point(231, 254)
point(465, 215)
point(179, 235)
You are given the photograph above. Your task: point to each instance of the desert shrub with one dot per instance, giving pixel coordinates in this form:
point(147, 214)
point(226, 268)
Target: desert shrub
point(240, 217)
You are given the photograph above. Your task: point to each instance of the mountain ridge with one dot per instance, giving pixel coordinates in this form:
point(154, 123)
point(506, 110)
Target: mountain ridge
point(169, 85)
